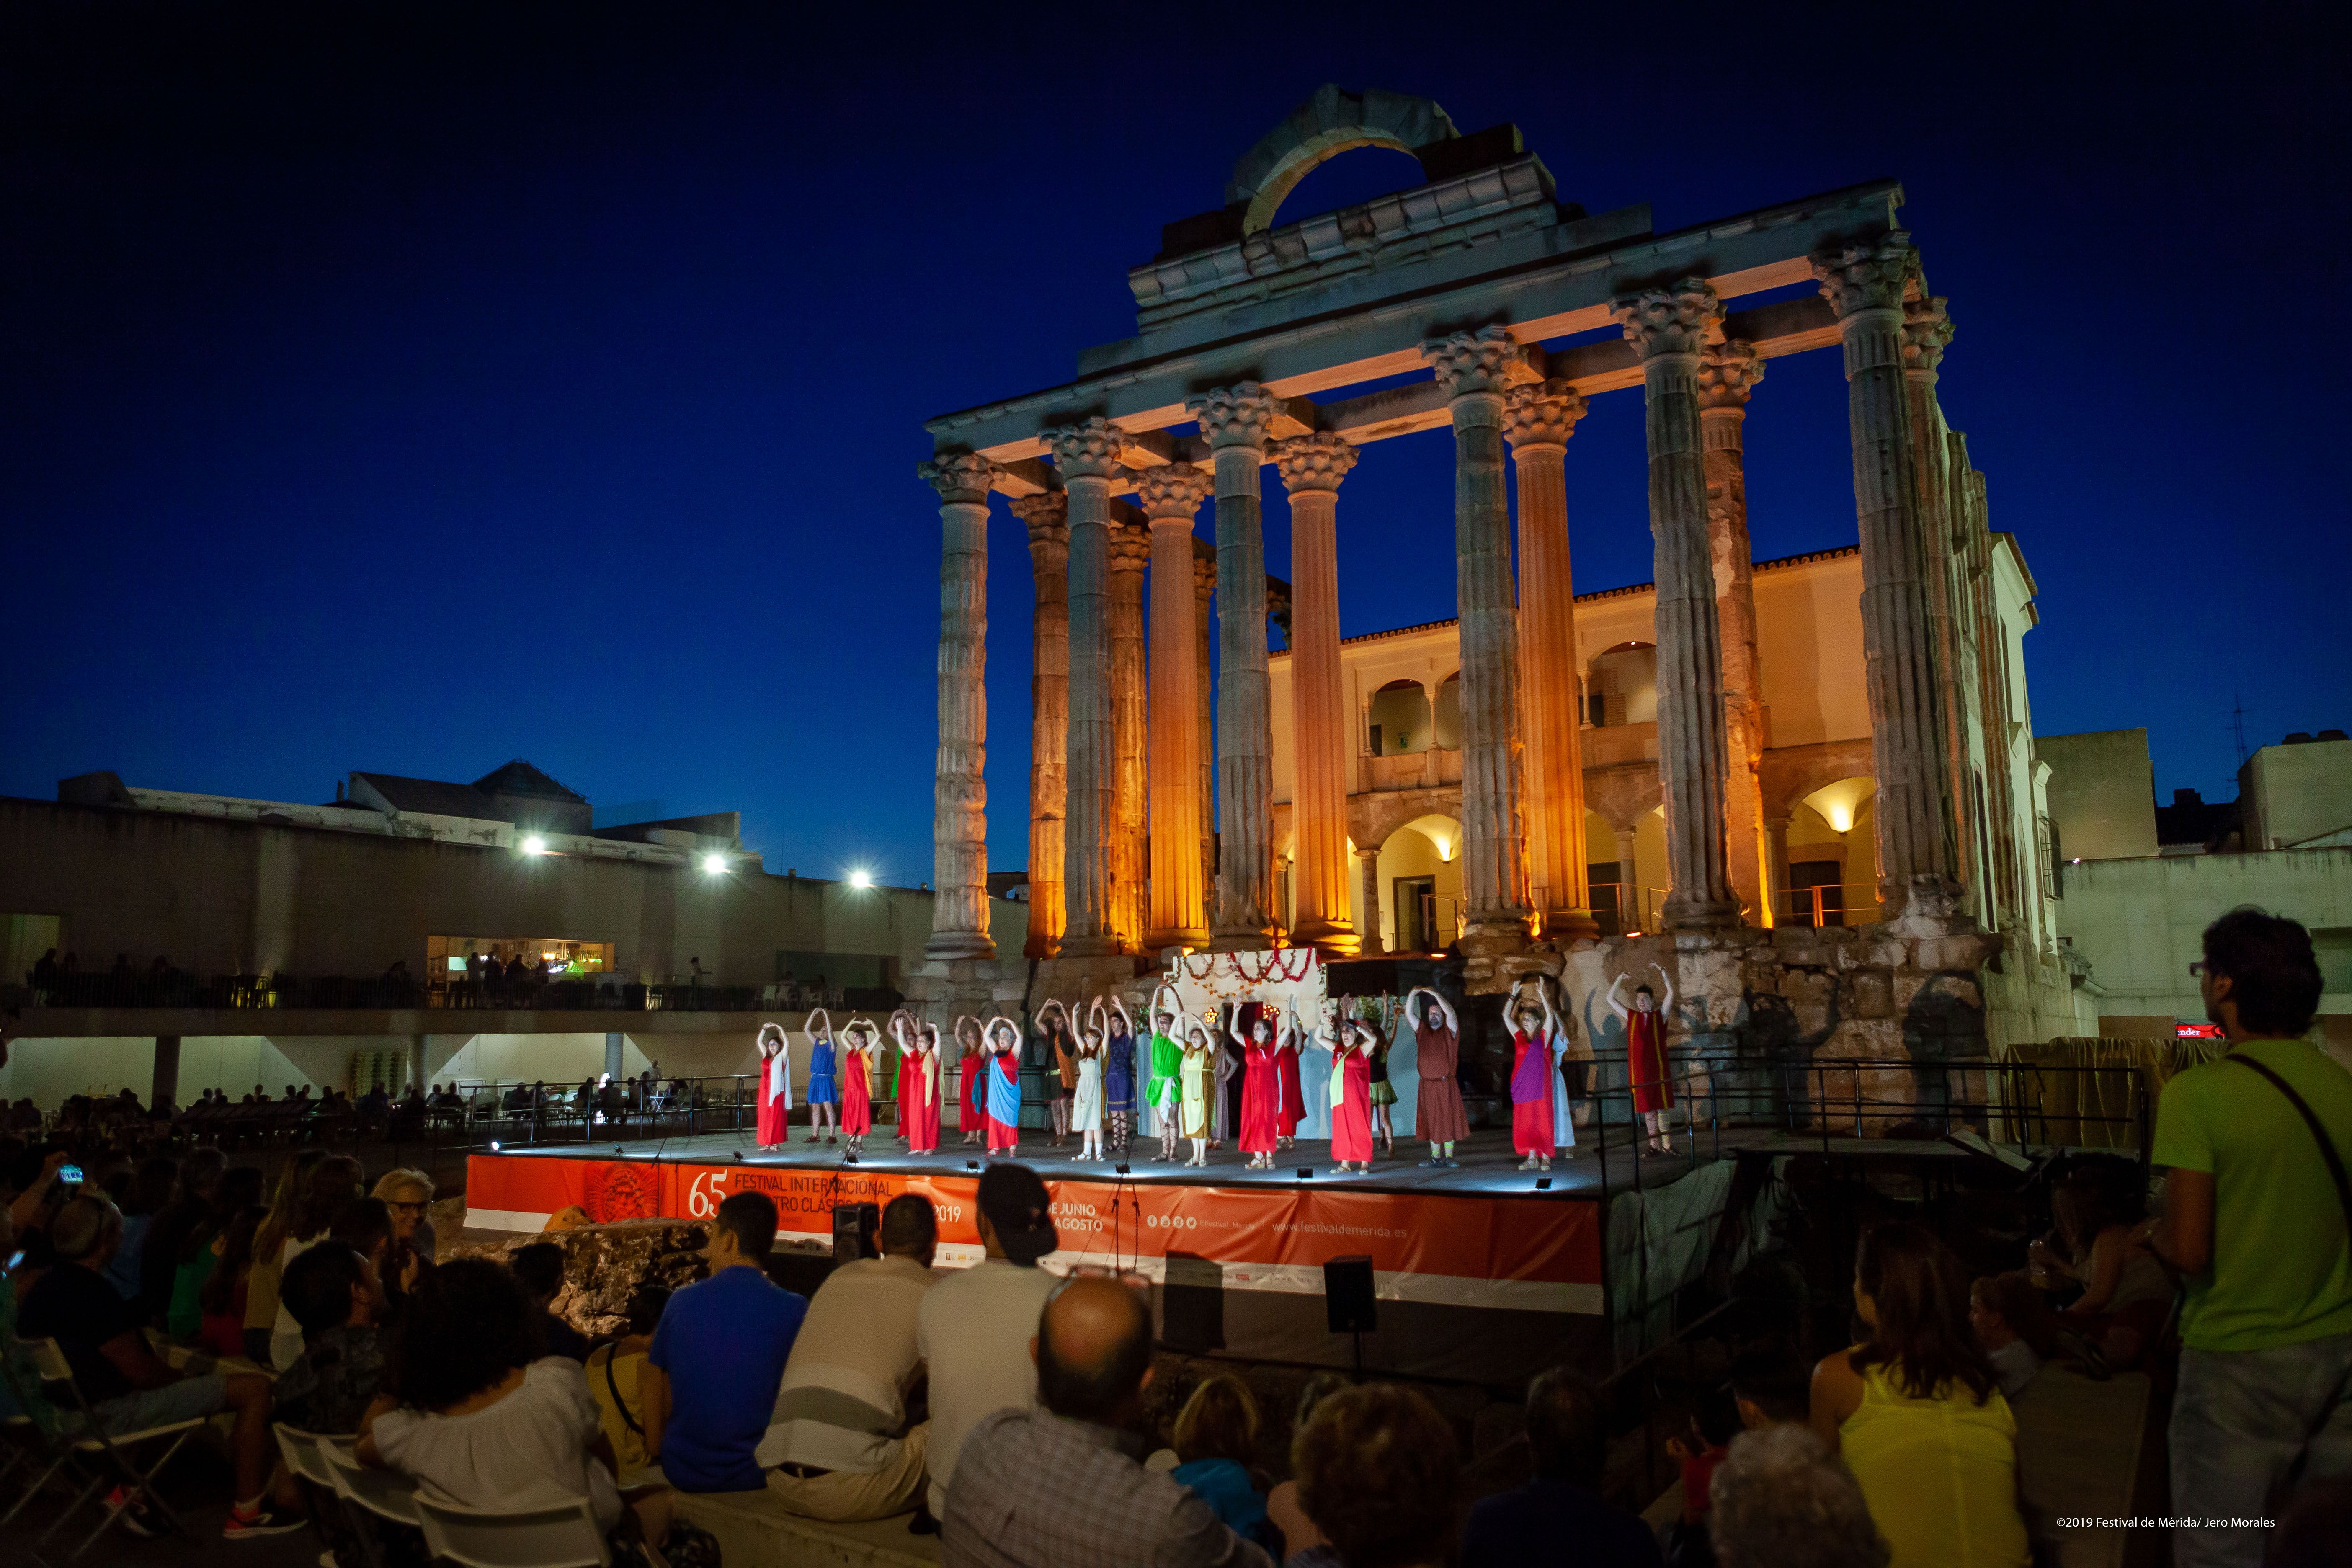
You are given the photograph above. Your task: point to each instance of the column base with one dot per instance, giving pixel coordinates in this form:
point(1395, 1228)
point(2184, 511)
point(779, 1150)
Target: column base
point(1698, 914)
point(1041, 947)
point(1333, 939)
point(1565, 926)
point(1257, 939)
point(1490, 949)
point(1090, 977)
point(1163, 942)
point(1105, 946)
point(947, 946)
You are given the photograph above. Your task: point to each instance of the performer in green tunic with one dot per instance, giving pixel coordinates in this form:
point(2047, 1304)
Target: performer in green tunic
point(1162, 1093)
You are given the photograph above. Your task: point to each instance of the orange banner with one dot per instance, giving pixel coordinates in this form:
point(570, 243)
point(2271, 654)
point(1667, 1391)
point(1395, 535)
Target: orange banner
point(1533, 1253)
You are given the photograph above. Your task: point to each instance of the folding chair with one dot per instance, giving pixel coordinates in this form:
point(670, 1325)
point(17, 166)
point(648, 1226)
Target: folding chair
point(90, 1438)
point(565, 1537)
point(369, 1497)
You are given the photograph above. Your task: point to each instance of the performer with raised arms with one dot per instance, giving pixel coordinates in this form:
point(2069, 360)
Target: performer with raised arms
point(1055, 1027)
point(1438, 1112)
point(1166, 1093)
point(1118, 1075)
point(1350, 1043)
point(971, 1067)
point(823, 1084)
point(919, 1106)
point(1087, 1099)
point(861, 1042)
point(1005, 1088)
point(1537, 1092)
point(775, 1086)
point(1195, 1074)
point(1383, 1092)
point(1261, 1087)
point(1290, 1099)
point(1645, 1057)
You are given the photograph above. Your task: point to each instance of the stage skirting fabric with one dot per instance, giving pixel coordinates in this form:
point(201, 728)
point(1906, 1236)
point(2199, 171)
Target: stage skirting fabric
point(1536, 1255)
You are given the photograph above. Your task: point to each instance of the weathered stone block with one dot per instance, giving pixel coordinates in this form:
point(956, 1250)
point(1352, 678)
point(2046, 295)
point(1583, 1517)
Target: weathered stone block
point(1870, 994)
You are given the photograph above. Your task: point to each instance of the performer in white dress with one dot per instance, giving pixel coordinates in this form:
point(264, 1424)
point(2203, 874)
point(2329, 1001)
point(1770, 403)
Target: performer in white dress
point(1087, 1099)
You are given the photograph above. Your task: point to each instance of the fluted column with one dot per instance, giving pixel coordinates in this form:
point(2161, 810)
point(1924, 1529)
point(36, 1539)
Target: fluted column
point(1667, 328)
point(959, 795)
point(1473, 370)
point(1047, 515)
point(1311, 467)
point(1371, 863)
point(1864, 286)
point(1204, 616)
point(1088, 455)
point(1171, 498)
point(1131, 553)
point(1539, 420)
point(1629, 884)
point(1727, 371)
point(1233, 419)
point(1926, 332)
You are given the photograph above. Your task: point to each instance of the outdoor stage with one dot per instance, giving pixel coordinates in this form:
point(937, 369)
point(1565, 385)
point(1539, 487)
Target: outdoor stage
point(1477, 1273)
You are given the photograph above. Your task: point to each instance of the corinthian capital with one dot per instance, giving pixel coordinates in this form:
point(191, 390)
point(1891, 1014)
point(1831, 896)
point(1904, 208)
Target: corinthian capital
point(1728, 373)
point(959, 477)
point(1485, 361)
point(1315, 462)
point(1130, 546)
point(1235, 415)
point(1047, 514)
point(1927, 331)
point(1673, 321)
point(1172, 489)
point(1857, 278)
point(1086, 450)
point(1542, 414)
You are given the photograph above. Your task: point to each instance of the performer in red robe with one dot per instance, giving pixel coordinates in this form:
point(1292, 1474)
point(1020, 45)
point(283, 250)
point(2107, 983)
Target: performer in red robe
point(971, 1064)
point(918, 1112)
point(1534, 1029)
point(857, 1082)
point(1350, 1044)
point(775, 1092)
point(1261, 1088)
point(1003, 1088)
point(1290, 1104)
point(1438, 1115)
point(1645, 1057)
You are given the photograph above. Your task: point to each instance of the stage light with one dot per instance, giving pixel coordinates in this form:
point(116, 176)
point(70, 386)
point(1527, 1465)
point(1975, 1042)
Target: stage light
point(1121, 1170)
point(861, 878)
point(713, 865)
point(849, 1159)
point(616, 1151)
point(1306, 1172)
point(534, 844)
point(1543, 1183)
point(494, 1145)
point(737, 1156)
point(971, 1164)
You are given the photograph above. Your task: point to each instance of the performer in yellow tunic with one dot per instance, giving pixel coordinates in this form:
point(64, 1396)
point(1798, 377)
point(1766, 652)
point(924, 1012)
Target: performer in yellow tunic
point(1193, 1078)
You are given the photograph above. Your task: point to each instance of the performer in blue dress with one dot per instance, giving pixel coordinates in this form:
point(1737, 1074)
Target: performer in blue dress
point(824, 1093)
point(1118, 1074)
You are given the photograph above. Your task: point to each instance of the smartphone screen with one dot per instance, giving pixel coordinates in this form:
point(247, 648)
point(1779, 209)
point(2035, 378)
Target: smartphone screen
point(70, 1174)
point(15, 1259)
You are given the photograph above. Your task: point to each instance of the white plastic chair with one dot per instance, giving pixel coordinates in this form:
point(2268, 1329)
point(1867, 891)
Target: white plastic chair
point(299, 1450)
point(91, 1437)
point(384, 1493)
point(565, 1537)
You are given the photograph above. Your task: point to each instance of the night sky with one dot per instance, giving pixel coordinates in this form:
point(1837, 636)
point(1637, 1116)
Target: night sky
point(407, 388)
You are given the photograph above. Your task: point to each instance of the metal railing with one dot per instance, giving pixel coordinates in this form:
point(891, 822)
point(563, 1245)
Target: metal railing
point(1826, 904)
point(337, 993)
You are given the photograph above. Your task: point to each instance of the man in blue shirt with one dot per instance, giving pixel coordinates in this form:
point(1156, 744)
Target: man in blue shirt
point(1569, 1439)
point(717, 1358)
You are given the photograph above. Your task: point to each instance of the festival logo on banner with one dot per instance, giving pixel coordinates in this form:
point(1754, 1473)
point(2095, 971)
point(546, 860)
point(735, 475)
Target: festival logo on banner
point(615, 1191)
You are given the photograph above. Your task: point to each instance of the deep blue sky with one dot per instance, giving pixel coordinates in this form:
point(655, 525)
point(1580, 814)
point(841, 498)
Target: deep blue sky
point(407, 387)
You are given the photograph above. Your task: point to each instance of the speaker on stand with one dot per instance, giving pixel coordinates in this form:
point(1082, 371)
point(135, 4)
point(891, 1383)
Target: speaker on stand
point(1347, 1301)
point(855, 1226)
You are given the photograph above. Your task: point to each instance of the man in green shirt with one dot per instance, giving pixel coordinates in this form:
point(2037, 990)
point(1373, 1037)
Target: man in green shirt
point(2253, 1219)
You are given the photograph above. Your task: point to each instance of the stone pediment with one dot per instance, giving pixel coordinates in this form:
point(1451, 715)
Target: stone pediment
point(1476, 208)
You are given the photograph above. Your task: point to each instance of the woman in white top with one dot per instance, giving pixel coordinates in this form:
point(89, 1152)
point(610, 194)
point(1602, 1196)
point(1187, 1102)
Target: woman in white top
point(478, 1421)
point(1087, 1104)
point(327, 1186)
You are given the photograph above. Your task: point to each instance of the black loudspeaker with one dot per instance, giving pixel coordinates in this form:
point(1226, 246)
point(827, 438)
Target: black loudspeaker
point(1348, 1295)
point(853, 1228)
point(1192, 1304)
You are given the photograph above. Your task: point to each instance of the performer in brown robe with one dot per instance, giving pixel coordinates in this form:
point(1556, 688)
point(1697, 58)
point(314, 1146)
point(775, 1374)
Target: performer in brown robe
point(1438, 1114)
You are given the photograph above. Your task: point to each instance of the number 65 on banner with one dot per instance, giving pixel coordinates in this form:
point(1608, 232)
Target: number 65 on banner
point(709, 1190)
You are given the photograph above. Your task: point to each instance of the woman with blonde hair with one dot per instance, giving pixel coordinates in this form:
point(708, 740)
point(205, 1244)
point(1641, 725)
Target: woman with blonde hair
point(1215, 1439)
point(269, 1240)
point(408, 1195)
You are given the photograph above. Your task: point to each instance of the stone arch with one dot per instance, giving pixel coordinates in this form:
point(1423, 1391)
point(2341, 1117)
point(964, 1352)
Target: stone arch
point(1326, 125)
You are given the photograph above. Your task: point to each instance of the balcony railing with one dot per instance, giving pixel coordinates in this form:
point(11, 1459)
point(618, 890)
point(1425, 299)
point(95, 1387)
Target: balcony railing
point(338, 993)
point(1827, 904)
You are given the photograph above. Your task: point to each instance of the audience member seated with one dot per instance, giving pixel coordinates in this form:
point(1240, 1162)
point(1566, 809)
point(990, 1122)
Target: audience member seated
point(151, 1192)
point(1381, 1475)
point(1917, 1412)
point(408, 1194)
point(975, 1326)
point(1771, 1387)
point(616, 1379)
point(1298, 1532)
point(2012, 1322)
point(200, 1250)
point(1782, 1500)
point(164, 1248)
point(1567, 1441)
point(340, 1369)
point(129, 1389)
point(539, 1267)
point(327, 1187)
point(223, 1299)
point(1215, 1437)
point(2126, 1292)
point(837, 1446)
point(1698, 1449)
point(718, 1357)
point(1061, 1487)
point(269, 1246)
point(475, 1413)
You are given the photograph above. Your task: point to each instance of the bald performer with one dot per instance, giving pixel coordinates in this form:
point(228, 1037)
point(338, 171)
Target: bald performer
point(1061, 1486)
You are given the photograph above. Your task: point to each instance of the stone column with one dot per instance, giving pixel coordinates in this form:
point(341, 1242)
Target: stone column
point(1233, 420)
point(1047, 515)
point(1728, 373)
point(1667, 328)
point(164, 1084)
point(1539, 422)
point(1776, 868)
point(960, 802)
point(1311, 469)
point(1205, 608)
point(1629, 884)
point(419, 1054)
point(613, 1041)
point(1927, 331)
point(1171, 498)
point(1131, 551)
point(1371, 861)
point(1473, 370)
point(1864, 286)
point(1088, 455)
